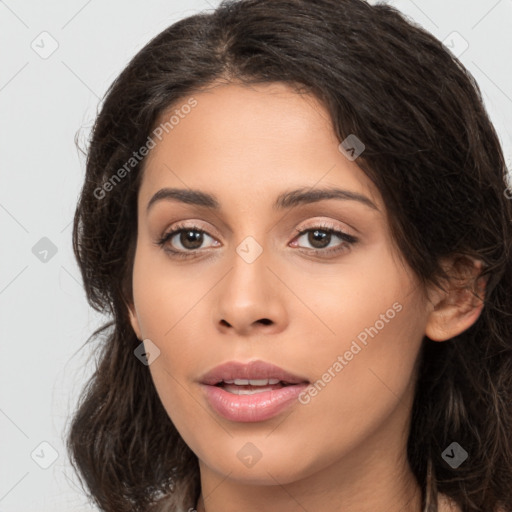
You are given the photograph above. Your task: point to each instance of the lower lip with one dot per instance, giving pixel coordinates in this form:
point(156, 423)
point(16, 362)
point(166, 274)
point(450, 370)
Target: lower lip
point(256, 407)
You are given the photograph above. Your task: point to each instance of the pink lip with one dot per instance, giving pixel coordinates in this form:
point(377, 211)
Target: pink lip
point(251, 370)
point(248, 408)
point(258, 406)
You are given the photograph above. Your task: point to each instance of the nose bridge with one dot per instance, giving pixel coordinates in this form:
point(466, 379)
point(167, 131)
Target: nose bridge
point(248, 276)
point(247, 294)
point(250, 250)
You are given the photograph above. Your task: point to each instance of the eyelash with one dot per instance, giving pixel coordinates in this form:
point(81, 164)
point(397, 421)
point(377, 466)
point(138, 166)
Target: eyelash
point(345, 237)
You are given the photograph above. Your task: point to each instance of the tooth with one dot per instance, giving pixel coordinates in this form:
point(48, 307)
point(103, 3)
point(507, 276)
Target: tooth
point(252, 382)
point(258, 382)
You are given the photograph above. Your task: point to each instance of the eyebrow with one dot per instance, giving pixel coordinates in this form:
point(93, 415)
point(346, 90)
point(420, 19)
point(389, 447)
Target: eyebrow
point(286, 200)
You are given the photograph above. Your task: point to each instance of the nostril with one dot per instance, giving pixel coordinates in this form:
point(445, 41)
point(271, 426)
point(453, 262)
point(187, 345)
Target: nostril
point(265, 321)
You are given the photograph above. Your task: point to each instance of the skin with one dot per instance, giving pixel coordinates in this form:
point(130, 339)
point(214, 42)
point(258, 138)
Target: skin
point(346, 449)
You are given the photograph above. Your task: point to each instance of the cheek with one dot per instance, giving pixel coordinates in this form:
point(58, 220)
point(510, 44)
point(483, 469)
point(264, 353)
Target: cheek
point(163, 293)
point(367, 371)
point(169, 308)
point(364, 363)
point(373, 302)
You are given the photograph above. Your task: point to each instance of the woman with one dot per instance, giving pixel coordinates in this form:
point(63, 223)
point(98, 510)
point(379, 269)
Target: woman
point(296, 214)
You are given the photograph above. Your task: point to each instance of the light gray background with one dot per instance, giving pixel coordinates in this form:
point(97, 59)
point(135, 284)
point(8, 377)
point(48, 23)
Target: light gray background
point(44, 102)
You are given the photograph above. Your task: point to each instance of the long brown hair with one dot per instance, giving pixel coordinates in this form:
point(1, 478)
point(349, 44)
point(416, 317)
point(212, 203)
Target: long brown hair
point(435, 157)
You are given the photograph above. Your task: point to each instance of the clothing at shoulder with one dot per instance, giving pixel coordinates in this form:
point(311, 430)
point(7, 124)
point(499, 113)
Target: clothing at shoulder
point(445, 504)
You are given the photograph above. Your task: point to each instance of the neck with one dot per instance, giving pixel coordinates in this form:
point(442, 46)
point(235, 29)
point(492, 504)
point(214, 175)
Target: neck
point(405, 495)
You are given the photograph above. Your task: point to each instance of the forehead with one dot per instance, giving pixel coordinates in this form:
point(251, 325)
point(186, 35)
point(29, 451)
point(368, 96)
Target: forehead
point(251, 141)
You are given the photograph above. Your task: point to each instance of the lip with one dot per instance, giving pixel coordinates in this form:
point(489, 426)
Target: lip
point(251, 408)
point(255, 407)
point(251, 370)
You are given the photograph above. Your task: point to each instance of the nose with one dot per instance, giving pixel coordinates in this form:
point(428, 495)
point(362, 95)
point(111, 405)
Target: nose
point(251, 298)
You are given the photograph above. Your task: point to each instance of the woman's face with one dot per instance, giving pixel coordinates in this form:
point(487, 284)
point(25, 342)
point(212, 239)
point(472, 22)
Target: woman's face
point(344, 313)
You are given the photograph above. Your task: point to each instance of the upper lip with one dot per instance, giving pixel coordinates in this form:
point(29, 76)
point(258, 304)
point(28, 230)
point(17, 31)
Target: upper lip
point(251, 370)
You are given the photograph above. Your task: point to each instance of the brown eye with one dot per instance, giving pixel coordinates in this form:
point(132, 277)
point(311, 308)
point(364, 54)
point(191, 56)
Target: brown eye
point(191, 239)
point(321, 237)
point(182, 240)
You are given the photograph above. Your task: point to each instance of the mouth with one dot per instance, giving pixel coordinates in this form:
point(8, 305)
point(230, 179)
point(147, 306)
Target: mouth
point(251, 386)
point(271, 390)
point(251, 376)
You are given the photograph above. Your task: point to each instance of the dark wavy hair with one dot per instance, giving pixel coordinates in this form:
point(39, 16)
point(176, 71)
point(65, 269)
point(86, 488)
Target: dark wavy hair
point(430, 149)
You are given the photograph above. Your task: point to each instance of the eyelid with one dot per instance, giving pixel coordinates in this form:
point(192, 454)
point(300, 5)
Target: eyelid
point(326, 224)
point(192, 225)
point(170, 233)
